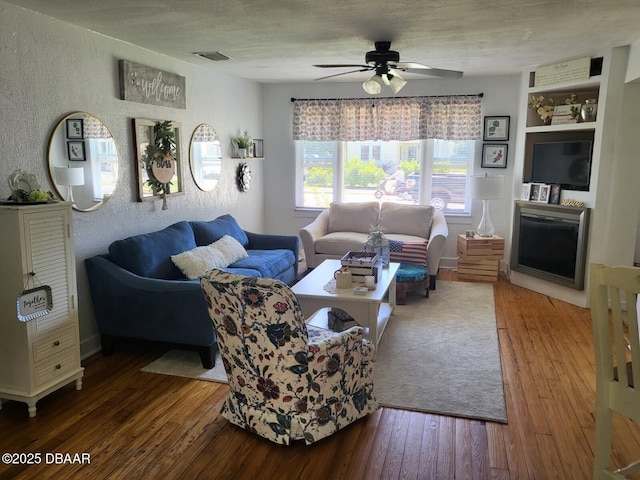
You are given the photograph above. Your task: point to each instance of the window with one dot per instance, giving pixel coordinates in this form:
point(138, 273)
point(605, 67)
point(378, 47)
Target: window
point(430, 172)
point(102, 159)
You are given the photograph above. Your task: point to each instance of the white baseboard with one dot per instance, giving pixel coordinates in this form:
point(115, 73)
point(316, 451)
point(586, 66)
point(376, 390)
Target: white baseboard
point(90, 346)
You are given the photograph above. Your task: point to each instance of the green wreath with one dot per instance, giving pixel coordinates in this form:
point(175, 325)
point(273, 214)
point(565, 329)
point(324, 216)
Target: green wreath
point(163, 144)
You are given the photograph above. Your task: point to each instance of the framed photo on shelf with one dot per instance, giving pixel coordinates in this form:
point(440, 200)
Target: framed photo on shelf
point(542, 193)
point(494, 155)
point(75, 128)
point(258, 148)
point(554, 196)
point(525, 194)
point(535, 192)
point(564, 114)
point(496, 128)
point(75, 151)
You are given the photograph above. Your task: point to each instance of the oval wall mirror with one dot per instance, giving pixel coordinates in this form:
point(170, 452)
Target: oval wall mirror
point(83, 161)
point(205, 157)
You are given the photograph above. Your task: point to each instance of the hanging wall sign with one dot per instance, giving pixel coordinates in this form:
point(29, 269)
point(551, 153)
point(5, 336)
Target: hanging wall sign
point(572, 70)
point(142, 84)
point(34, 303)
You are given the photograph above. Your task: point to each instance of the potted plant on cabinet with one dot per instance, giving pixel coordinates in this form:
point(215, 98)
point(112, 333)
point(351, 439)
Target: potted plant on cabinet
point(243, 142)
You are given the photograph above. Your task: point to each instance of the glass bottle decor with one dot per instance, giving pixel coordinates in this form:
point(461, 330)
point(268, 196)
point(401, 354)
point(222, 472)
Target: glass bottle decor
point(378, 243)
point(589, 110)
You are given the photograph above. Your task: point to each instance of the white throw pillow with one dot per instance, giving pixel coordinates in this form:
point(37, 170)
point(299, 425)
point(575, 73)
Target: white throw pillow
point(220, 254)
point(231, 249)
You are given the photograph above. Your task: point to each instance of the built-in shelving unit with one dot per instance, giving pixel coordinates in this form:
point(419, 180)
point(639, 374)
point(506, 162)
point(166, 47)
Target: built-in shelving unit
point(606, 87)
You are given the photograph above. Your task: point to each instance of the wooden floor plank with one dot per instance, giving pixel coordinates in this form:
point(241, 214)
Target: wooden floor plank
point(142, 425)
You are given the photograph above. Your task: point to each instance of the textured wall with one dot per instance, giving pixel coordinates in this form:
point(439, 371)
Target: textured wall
point(49, 69)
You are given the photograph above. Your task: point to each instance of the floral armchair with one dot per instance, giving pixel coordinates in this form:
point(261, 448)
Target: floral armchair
point(288, 380)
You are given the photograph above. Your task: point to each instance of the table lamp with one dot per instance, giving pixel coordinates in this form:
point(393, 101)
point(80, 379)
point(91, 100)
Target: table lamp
point(485, 188)
point(70, 177)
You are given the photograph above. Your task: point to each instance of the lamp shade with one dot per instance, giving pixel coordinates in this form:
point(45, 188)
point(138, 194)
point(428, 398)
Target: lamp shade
point(396, 82)
point(485, 187)
point(69, 176)
point(373, 86)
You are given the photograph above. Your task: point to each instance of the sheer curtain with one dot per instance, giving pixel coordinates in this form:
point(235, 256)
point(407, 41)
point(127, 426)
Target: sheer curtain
point(456, 117)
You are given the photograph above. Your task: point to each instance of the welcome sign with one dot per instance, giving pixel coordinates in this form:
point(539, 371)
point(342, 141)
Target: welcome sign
point(142, 84)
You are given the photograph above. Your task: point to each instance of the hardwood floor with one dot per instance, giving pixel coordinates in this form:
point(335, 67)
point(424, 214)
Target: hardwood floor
point(142, 425)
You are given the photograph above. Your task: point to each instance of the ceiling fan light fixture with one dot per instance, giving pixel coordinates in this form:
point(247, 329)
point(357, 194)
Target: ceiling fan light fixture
point(373, 86)
point(396, 82)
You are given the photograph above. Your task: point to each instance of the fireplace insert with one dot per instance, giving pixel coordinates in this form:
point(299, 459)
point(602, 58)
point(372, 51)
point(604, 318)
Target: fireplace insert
point(550, 242)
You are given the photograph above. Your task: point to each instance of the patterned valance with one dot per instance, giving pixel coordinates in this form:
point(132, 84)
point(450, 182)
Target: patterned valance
point(205, 133)
point(456, 117)
point(94, 128)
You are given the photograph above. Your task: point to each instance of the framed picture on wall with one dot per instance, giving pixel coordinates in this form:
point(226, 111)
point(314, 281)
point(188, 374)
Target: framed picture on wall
point(496, 128)
point(494, 156)
point(75, 128)
point(75, 151)
point(148, 169)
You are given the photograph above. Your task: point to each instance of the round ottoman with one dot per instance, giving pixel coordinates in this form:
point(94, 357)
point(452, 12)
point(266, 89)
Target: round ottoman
point(411, 277)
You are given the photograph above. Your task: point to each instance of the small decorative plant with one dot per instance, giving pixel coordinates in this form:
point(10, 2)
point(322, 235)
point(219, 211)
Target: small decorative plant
point(244, 140)
point(545, 109)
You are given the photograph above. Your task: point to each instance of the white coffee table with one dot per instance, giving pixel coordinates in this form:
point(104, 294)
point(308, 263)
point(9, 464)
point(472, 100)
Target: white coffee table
point(370, 310)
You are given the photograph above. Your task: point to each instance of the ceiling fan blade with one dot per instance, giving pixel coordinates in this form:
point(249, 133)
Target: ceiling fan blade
point(410, 65)
point(435, 72)
point(340, 65)
point(344, 73)
point(420, 69)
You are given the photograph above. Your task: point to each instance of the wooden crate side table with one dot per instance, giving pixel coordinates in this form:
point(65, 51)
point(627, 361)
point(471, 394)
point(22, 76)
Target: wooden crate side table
point(479, 257)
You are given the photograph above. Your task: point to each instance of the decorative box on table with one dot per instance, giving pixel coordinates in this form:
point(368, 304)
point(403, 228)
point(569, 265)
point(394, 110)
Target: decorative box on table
point(361, 264)
point(338, 320)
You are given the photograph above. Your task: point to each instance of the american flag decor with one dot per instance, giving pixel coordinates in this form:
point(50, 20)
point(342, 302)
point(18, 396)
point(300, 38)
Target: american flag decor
point(408, 252)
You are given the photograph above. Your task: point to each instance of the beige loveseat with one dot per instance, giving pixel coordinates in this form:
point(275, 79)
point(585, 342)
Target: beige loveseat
point(345, 227)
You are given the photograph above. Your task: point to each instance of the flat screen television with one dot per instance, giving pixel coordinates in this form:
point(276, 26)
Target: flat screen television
point(567, 163)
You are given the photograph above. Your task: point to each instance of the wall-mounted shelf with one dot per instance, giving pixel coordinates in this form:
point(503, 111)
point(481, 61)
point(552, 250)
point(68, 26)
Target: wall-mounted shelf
point(589, 83)
point(562, 128)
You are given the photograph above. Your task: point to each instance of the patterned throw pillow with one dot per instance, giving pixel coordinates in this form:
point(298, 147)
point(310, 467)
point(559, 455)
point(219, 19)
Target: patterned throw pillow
point(408, 252)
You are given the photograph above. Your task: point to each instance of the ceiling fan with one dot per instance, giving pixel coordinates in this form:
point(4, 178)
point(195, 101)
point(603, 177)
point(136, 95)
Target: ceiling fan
point(386, 64)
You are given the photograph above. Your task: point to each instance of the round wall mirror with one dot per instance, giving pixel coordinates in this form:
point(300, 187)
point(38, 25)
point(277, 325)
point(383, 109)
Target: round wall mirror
point(83, 161)
point(205, 157)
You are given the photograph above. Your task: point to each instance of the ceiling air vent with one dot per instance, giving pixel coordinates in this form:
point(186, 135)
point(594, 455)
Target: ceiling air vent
point(213, 56)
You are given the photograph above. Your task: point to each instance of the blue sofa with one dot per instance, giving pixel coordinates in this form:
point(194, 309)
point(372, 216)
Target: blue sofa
point(138, 293)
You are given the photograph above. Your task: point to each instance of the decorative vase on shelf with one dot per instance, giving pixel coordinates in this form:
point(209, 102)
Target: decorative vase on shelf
point(242, 152)
point(589, 110)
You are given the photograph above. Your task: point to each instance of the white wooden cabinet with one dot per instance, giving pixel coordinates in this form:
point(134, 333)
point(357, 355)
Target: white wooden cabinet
point(40, 355)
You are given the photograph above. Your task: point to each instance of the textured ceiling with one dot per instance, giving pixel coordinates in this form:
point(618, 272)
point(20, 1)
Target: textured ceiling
point(280, 40)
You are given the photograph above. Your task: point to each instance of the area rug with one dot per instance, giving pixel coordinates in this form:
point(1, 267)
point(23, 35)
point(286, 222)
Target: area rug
point(441, 355)
point(437, 355)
